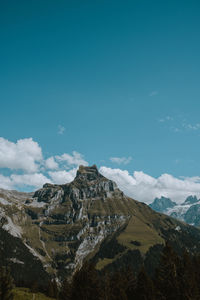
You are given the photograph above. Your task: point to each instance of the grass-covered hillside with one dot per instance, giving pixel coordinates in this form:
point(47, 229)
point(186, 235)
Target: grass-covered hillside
point(26, 294)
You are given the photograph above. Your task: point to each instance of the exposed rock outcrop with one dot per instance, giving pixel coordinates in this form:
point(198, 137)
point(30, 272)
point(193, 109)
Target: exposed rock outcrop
point(62, 225)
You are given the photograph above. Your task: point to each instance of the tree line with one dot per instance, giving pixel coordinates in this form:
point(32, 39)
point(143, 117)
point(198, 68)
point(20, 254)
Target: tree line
point(175, 278)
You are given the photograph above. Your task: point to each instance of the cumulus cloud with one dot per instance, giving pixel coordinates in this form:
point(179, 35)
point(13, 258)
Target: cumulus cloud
point(5, 182)
point(145, 188)
point(50, 163)
point(75, 159)
point(24, 154)
point(36, 180)
point(62, 177)
point(15, 181)
point(27, 167)
point(32, 170)
point(121, 160)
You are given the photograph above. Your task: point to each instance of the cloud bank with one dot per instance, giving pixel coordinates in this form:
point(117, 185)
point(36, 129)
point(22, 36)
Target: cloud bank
point(25, 154)
point(145, 188)
point(28, 169)
point(25, 163)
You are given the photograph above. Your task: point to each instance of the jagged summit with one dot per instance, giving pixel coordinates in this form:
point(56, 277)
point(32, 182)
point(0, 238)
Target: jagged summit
point(88, 173)
point(161, 204)
point(88, 183)
point(191, 200)
point(85, 174)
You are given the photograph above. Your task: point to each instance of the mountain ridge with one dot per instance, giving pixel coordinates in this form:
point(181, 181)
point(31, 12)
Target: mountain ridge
point(188, 211)
point(89, 218)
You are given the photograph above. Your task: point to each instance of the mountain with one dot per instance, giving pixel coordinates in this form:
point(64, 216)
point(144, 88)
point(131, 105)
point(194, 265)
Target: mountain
point(192, 216)
point(162, 204)
point(188, 211)
point(191, 200)
point(58, 227)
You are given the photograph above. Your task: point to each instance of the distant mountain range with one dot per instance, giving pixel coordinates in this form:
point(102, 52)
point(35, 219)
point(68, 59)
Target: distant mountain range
point(51, 232)
point(188, 211)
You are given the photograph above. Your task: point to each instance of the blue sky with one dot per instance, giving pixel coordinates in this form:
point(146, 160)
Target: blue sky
point(106, 79)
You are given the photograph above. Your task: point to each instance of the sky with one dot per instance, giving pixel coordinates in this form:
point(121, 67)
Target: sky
point(115, 83)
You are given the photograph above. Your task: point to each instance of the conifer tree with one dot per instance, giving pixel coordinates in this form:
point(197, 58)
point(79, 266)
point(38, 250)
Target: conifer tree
point(166, 277)
point(131, 284)
point(86, 284)
point(6, 284)
point(196, 266)
point(145, 288)
point(187, 279)
point(116, 286)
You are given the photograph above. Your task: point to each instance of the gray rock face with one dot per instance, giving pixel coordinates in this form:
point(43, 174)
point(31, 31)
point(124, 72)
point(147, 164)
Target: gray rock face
point(162, 204)
point(188, 211)
point(192, 216)
point(88, 174)
point(191, 200)
point(62, 224)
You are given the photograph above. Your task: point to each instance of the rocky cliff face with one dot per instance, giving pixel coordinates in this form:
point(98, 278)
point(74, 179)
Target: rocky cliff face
point(89, 218)
point(162, 204)
point(188, 211)
point(62, 224)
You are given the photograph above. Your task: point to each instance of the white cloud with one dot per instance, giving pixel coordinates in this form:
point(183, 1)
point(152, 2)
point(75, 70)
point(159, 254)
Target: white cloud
point(24, 154)
point(50, 163)
point(143, 187)
point(15, 181)
point(121, 160)
point(61, 129)
point(5, 182)
point(75, 159)
point(62, 177)
point(37, 180)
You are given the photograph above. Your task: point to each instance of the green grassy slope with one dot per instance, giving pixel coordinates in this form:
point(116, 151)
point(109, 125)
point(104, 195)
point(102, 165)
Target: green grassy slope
point(25, 294)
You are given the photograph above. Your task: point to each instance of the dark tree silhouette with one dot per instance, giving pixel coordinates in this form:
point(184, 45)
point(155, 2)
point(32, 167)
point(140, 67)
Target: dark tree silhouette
point(116, 287)
point(166, 277)
point(6, 284)
point(145, 288)
point(86, 284)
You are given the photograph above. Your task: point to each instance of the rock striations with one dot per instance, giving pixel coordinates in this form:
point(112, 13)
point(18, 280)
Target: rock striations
point(89, 218)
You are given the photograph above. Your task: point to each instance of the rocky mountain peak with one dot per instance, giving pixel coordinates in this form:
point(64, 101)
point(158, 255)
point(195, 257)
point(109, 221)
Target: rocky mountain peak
point(88, 183)
point(88, 173)
point(191, 200)
point(161, 204)
point(61, 226)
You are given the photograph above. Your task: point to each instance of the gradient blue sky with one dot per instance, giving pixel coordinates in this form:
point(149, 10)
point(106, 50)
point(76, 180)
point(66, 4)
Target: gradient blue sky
point(122, 78)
